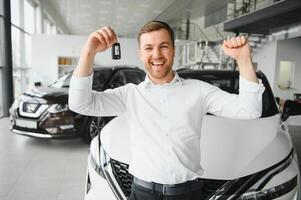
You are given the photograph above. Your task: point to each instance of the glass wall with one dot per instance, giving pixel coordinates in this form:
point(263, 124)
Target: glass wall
point(27, 18)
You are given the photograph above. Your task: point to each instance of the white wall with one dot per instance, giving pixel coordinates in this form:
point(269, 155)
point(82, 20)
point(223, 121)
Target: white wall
point(289, 50)
point(268, 58)
point(47, 48)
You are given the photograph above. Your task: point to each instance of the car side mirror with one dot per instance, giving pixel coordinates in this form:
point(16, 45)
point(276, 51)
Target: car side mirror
point(290, 108)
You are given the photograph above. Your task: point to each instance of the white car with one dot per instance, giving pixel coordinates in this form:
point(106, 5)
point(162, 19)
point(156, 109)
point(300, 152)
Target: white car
point(242, 159)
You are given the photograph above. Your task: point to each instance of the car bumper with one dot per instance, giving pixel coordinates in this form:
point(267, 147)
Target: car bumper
point(100, 188)
point(33, 133)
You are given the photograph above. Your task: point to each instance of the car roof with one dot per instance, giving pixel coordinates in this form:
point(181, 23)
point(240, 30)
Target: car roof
point(219, 72)
point(206, 71)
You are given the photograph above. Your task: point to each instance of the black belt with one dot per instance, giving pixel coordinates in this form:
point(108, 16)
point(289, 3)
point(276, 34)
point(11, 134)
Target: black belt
point(175, 189)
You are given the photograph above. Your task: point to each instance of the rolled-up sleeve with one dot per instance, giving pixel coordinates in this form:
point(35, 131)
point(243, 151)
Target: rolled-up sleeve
point(246, 105)
point(84, 101)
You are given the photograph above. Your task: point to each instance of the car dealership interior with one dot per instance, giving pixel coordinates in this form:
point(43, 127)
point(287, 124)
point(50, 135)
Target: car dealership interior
point(51, 152)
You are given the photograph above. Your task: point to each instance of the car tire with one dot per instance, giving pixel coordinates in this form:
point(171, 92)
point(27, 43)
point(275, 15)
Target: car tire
point(92, 128)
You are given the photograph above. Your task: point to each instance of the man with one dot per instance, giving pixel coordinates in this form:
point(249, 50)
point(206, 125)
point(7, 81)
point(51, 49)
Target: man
point(164, 112)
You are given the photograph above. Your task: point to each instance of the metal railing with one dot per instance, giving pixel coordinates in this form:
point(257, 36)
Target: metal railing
point(238, 8)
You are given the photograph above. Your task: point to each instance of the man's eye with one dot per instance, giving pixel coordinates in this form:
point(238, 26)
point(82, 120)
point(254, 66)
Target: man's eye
point(164, 47)
point(148, 49)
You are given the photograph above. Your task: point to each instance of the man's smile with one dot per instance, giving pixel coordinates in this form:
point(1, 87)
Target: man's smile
point(157, 63)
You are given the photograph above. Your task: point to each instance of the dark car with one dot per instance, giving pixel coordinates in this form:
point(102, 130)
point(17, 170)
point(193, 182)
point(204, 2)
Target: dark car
point(43, 111)
point(241, 159)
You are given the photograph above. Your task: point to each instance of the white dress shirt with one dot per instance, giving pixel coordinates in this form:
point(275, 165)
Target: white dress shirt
point(165, 120)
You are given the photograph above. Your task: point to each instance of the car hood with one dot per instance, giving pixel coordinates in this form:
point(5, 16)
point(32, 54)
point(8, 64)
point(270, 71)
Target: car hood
point(47, 95)
point(233, 149)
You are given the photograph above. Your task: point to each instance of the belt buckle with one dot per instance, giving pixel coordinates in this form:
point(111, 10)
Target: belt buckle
point(164, 189)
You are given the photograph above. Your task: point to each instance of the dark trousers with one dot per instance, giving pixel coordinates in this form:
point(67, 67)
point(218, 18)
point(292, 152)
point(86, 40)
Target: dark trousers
point(141, 193)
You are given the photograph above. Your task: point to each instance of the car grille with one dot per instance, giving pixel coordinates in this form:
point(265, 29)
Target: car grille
point(123, 177)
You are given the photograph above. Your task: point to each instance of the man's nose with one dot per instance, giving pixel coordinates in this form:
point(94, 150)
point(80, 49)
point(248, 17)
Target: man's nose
point(157, 53)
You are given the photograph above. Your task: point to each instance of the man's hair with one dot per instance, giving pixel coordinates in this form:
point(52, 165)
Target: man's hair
point(155, 26)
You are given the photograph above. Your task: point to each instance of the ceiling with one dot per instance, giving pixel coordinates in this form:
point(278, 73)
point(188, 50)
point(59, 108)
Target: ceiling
point(125, 16)
point(279, 15)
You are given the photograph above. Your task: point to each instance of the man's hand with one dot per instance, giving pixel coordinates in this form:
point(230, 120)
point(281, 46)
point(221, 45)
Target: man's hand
point(98, 41)
point(238, 48)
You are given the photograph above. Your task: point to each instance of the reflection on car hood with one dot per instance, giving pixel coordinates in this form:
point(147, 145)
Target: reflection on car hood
point(233, 149)
point(47, 94)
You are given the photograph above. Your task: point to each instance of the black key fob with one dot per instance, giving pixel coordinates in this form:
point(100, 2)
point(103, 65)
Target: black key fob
point(116, 53)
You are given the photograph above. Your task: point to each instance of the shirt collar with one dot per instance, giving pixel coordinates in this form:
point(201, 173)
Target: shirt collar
point(176, 80)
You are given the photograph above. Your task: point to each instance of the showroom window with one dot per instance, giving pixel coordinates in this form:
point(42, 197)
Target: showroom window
point(15, 13)
point(28, 18)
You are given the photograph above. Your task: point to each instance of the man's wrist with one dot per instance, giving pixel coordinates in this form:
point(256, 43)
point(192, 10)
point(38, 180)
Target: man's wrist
point(244, 61)
point(87, 53)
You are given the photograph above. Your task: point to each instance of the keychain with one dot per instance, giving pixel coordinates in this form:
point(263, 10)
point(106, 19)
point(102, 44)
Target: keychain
point(116, 53)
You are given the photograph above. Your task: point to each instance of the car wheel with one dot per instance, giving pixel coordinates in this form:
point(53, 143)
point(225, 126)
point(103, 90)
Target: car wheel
point(93, 127)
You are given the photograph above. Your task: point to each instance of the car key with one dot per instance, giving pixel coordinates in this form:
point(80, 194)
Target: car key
point(116, 53)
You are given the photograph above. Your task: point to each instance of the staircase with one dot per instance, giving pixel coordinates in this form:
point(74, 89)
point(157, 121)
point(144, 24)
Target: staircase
point(203, 55)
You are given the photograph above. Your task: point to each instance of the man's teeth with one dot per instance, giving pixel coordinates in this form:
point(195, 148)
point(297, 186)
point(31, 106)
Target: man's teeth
point(160, 63)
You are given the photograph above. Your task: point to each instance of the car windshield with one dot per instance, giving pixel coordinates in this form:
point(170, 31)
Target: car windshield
point(229, 81)
point(100, 78)
point(62, 82)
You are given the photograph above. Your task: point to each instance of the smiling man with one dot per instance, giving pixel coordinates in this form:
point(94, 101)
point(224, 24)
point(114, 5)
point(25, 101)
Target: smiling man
point(164, 112)
point(157, 52)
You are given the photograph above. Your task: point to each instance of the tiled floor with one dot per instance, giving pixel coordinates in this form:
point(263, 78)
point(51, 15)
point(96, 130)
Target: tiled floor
point(35, 169)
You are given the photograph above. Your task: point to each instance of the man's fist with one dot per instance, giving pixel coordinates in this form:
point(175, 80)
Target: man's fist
point(100, 40)
point(237, 48)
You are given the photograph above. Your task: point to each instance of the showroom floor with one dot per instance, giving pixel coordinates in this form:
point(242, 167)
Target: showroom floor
point(34, 169)
point(50, 169)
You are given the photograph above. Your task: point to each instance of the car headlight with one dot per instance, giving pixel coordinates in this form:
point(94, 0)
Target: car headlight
point(96, 157)
point(256, 186)
point(56, 108)
point(273, 192)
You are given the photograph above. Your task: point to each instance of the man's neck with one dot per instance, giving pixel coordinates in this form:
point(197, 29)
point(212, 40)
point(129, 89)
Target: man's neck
point(164, 80)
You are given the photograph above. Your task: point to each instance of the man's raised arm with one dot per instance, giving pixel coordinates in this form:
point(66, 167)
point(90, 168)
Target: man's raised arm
point(98, 41)
point(81, 97)
point(238, 48)
point(248, 104)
